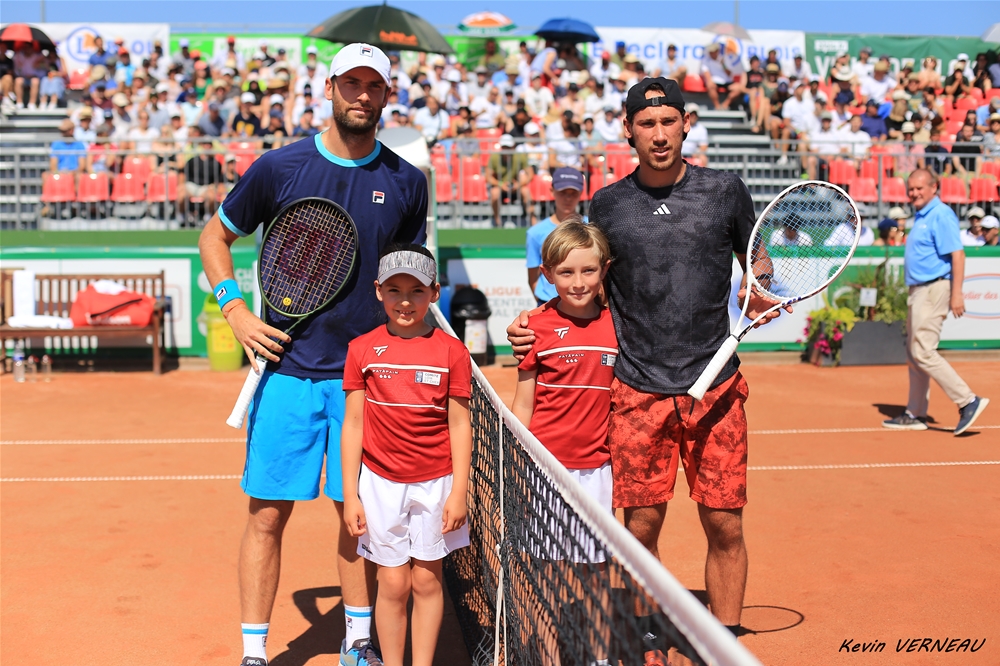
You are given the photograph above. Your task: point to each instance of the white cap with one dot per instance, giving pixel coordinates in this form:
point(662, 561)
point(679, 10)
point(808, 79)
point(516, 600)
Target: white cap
point(990, 222)
point(262, 43)
point(690, 107)
point(184, 42)
point(531, 128)
point(162, 88)
point(248, 98)
point(311, 50)
point(276, 99)
point(453, 76)
point(963, 56)
point(507, 141)
point(361, 55)
point(976, 212)
point(897, 213)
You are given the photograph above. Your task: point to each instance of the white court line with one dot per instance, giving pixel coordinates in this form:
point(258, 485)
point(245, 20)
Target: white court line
point(783, 468)
point(35, 442)
point(65, 479)
point(823, 431)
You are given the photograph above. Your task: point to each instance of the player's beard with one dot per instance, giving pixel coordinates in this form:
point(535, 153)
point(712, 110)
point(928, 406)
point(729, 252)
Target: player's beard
point(353, 125)
point(657, 164)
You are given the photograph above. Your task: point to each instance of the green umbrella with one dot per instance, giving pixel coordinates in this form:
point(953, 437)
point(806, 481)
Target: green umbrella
point(383, 26)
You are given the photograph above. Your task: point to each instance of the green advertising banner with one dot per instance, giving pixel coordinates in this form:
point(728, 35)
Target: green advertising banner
point(247, 44)
point(822, 49)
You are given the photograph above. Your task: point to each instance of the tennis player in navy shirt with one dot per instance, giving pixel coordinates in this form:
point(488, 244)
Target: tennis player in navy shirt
point(297, 413)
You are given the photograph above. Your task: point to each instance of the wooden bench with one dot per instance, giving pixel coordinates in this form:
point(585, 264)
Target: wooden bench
point(54, 295)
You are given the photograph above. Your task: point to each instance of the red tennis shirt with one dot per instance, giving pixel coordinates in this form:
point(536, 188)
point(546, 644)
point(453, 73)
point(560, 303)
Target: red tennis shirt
point(575, 361)
point(407, 383)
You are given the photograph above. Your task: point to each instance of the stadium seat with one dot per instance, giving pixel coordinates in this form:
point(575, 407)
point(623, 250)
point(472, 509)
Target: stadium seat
point(58, 188)
point(953, 190)
point(977, 94)
point(472, 188)
point(894, 191)
point(863, 190)
point(541, 188)
point(487, 149)
point(93, 188)
point(966, 103)
point(983, 190)
point(842, 172)
point(243, 162)
point(137, 166)
point(694, 84)
point(79, 79)
point(238, 147)
point(443, 186)
point(162, 189)
point(990, 169)
point(462, 167)
point(489, 133)
point(953, 114)
point(127, 188)
point(994, 92)
point(952, 126)
point(869, 168)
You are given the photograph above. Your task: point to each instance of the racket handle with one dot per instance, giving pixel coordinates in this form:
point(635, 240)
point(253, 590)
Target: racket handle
point(718, 361)
point(235, 419)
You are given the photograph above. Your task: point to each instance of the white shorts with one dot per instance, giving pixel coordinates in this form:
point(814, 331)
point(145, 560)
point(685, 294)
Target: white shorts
point(551, 540)
point(404, 520)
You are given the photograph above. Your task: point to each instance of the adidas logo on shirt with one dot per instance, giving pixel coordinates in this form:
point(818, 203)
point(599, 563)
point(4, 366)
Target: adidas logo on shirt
point(662, 210)
point(561, 332)
point(379, 350)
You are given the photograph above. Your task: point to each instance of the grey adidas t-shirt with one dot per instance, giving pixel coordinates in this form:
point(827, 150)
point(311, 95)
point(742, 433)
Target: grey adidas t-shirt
point(669, 282)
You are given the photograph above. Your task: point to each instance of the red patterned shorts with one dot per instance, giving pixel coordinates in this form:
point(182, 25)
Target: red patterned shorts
point(649, 433)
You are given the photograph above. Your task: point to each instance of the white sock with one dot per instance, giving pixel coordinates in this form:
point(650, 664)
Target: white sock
point(255, 640)
point(359, 623)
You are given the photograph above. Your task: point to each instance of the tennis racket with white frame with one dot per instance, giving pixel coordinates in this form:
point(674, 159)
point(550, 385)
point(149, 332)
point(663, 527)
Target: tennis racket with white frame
point(783, 265)
point(306, 257)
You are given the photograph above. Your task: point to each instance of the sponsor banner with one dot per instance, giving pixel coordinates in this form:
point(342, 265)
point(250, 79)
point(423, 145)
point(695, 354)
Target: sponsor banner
point(185, 282)
point(75, 41)
point(247, 44)
point(650, 44)
point(505, 283)
point(822, 48)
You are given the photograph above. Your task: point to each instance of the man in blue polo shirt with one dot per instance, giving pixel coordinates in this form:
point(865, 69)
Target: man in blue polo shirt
point(567, 186)
point(935, 271)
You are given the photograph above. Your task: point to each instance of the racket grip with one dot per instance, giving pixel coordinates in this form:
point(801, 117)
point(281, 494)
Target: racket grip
point(235, 419)
point(715, 366)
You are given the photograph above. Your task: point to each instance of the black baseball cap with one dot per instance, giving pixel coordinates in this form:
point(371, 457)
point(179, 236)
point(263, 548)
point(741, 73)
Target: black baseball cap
point(636, 100)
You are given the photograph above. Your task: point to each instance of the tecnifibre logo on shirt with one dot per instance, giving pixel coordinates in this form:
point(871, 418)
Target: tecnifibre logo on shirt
point(380, 350)
point(561, 332)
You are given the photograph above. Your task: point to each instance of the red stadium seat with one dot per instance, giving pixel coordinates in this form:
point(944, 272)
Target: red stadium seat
point(489, 133)
point(58, 188)
point(127, 188)
point(488, 148)
point(237, 147)
point(243, 162)
point(137, 166)
point(983, 190)
point(894, 190)
point(953, 190)
point(79, 79)
point(842, 172)
point(977, 94)
point(443, 186)
point(955, 114)
point(466, 166)
point(93, 188)
point(694, 83)
point(993, 92)
point(472, 188)
point(162, 188)
point(990, 169)
point(863, 190)
point(952, 126)
point(948, 140)
point(541, 188)
point(869, 168)
point(966, 103)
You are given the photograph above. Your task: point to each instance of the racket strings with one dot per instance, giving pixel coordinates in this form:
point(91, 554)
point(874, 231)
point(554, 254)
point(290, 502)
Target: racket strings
point(804, 237)
point(307, 256)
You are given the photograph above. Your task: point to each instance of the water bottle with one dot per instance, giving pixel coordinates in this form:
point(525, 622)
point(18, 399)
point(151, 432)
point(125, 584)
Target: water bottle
point(31, 369)
point(19, 363)
point(46, 368)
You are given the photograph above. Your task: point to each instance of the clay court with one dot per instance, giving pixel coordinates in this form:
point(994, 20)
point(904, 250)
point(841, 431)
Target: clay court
point(122, 514)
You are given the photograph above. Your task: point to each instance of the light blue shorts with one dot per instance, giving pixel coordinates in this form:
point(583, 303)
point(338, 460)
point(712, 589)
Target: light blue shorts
point(293, 424)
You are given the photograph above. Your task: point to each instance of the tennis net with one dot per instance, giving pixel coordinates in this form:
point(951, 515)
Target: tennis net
point(551, 578)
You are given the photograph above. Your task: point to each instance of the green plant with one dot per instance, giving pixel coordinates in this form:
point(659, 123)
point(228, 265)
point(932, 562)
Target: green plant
point(825, 330)
point(890, 303)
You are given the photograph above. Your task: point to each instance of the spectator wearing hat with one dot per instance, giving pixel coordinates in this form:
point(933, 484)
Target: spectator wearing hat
point(124, 69)
point(307, 100)
point(609, 126)
point(618, 57)
point(140, 138)
point(100, 56)
point(843, 234)
point(719, 72)
point(184, 58)
point(245, 123)
point(571, 102)
point(305, 128)
point(452, 92)
point(890, 229)
point(538, 99)
point(508, 176)
point(973, 236)
point(312, 62)
point(567, 150)
point(929, 76)
point(630, 73)
point(872, 123)
point(907, 154)
point(857, 142)
point(984, 112)
point(991, 230)
point(798, 68)
point(159, 108)
point(604, 69)
point(957, 84)
point(494, 59)
point(936, 155)
point(120, 117)
point(962, 62)
point(991, 138)
point(827, 141)
point(536, 154)
point(877, 86)
point(201, 171)
point(264, 49)
point(487, 111)
point(68, 153)
point(796, 120)
point(899, 114)
point(694, 149)
point(862, 67)
point(567, 187)
point(480, 85)
point(85, 131)
point(432, 121)
point(671, 67)
point(230, 57)
point(211, 122)
point(966, 145)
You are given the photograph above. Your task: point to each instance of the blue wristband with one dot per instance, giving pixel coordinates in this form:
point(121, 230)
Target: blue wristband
point(227, 290)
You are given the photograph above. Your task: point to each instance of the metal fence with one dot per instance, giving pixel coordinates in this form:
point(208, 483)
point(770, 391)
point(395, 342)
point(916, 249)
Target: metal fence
point(474, 184)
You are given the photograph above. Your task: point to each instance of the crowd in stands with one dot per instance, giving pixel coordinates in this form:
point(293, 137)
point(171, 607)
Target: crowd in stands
point(521, 114)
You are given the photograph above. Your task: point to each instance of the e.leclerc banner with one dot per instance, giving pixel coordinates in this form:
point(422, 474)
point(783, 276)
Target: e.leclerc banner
point(822, 49)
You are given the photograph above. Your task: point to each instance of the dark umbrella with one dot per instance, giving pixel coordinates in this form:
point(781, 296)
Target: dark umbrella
point(568, 30)
point(22, 32)
point(382, 26)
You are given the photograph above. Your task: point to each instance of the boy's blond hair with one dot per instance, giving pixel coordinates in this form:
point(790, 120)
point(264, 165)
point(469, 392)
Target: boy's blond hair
point(572, 234)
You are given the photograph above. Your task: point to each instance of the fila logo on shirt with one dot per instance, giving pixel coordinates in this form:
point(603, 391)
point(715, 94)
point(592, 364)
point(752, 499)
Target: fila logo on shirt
point(662, 210)
point(378, 197)
point(379, 350)
point(367, 51)
point(561, 332)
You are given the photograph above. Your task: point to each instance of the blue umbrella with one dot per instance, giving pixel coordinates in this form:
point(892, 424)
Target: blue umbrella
point(568, 30)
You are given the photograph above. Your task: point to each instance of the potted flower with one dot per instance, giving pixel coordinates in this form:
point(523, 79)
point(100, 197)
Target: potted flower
point(878, 298)
point(825, 331)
